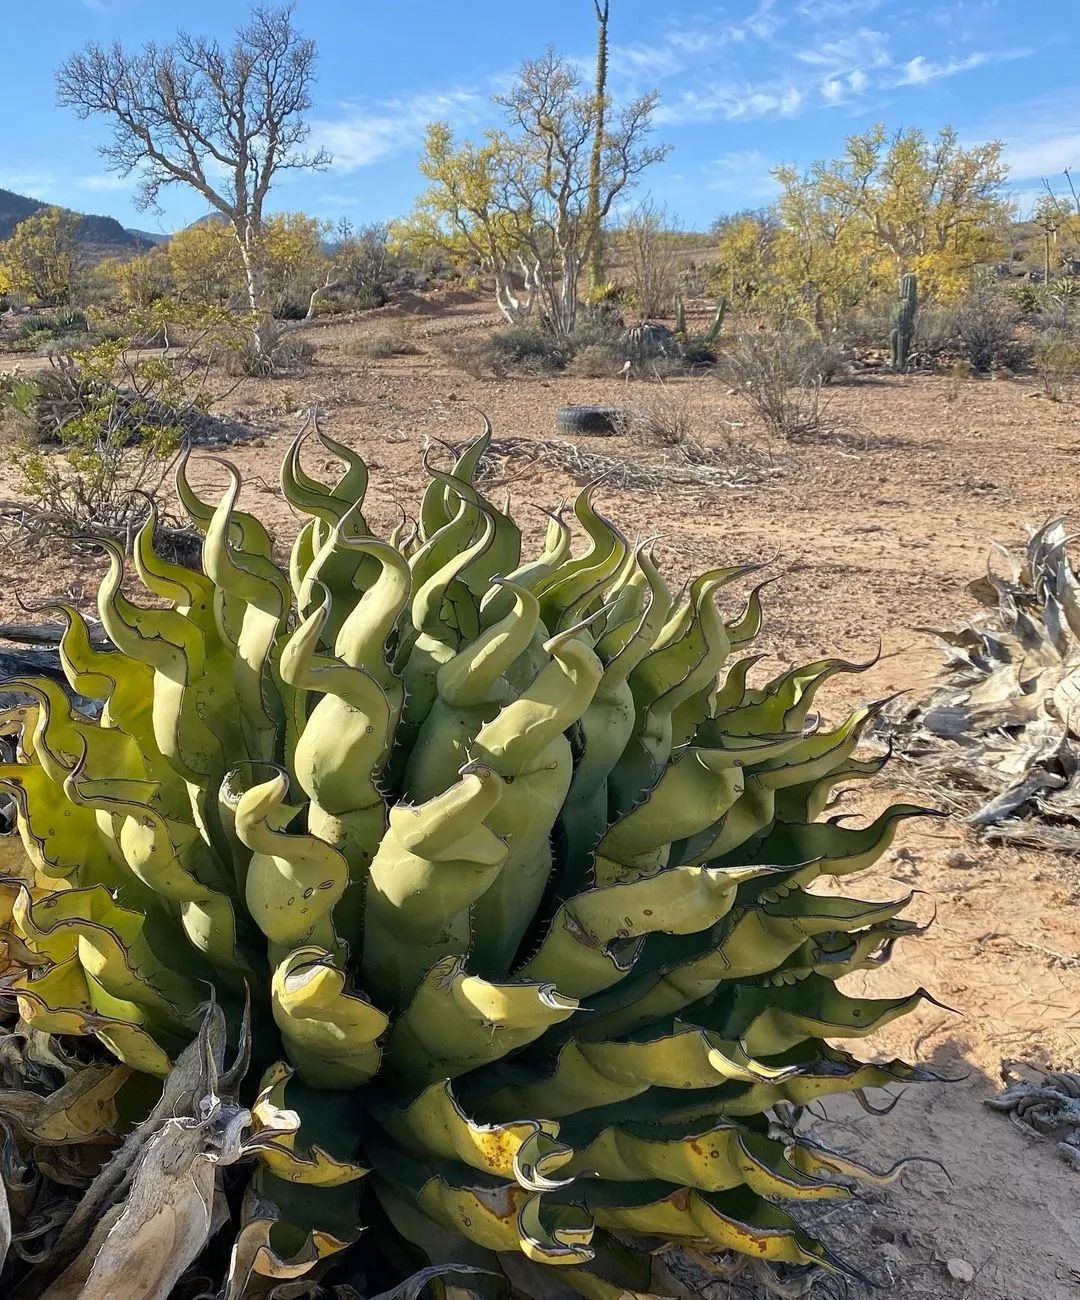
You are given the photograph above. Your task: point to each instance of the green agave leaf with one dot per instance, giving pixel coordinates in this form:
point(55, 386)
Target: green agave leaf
point(294, 881)
point(67, 1000)
point(823, 848)
point(783, 705)
point(686, 658)
point(288, 1228)
point(756, 940)
point(61, 839)
point(434, 1124)
point(175, 862)
point(456, 1022)
point(775, 767)
point(435, 861)
point(696, 789)
point(589, 946)
point(768, 1021)
point(737, 1220)
point(283, 1139)
point(330, 1036)
point(108, 940)
point(496, 1215)
point(589, 1074)
point(257, 585)
point(711, 1157)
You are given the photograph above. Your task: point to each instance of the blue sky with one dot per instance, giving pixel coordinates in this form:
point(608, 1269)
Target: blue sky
point(743, 85)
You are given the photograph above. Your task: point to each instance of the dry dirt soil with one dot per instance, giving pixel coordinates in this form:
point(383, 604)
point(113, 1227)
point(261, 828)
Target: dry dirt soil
point(872, 530)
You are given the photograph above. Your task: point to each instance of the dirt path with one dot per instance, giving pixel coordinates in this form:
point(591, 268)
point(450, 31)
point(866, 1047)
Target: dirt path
point(878, 530)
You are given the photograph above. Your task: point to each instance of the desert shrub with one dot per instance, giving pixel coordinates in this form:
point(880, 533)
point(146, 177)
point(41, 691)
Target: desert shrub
point(598, 361)
point(383, 341)
point(660, 417)
point(475, 354)
point(268, 349)
point(780, 374)
point(95, 434)
point(937, 340)
point(48, 345)
point(529, 349)
point(517, 349)
point(597, 325)
point(986, 326)
point(1055, 358)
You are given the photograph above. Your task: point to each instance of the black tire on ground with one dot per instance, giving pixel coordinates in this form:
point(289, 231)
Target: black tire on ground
point(602, 421)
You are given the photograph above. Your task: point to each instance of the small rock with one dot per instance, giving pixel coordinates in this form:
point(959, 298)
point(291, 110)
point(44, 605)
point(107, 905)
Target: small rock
point(961, 1270)
point(960, 862)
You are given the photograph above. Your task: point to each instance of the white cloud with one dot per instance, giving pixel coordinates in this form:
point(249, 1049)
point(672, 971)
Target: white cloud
point(364, 136)
point(862, 49)
point(742, 174)
point(1031, 158)
point(105, 182)
point(920, 70)
point(732, 103)
point(32, 183)
point(828, 11)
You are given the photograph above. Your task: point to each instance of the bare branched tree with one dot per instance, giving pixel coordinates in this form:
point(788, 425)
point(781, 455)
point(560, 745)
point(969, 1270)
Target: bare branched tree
point(225, 122)
point(544, 166)
point(647, 240)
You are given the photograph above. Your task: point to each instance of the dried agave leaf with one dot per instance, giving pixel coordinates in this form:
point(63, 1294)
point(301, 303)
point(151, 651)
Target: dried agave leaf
point(996, 734)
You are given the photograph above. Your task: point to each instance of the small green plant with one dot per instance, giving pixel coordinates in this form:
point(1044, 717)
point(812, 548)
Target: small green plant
point(606, 292)
point(54, 326)
point(96, 434)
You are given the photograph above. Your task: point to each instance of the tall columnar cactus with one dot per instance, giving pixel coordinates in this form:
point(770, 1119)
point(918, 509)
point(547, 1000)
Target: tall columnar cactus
point(902, 335)
point(508, 860)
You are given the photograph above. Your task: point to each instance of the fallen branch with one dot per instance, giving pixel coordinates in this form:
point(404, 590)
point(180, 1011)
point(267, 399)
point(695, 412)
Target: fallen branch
point(585, 465)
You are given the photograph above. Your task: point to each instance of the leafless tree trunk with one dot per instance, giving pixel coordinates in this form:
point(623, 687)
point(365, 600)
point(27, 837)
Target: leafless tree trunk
point(190, 112)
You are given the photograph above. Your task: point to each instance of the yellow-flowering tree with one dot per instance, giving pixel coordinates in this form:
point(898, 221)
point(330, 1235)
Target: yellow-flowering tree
point(38, 260)
point(924, 205)
point(464, 215)
point(205, 263)
point(138, 282)
point(294, 264)
point(208, 270)
point(821, 262)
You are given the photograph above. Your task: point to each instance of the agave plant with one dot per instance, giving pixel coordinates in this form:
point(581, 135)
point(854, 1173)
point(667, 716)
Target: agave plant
point(1000, 731)
point(505, 865)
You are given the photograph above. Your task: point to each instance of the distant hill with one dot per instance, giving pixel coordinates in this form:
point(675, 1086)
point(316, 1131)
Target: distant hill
point(101, 236)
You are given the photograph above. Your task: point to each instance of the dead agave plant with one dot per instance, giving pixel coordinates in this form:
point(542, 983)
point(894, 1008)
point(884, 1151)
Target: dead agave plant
point(999, 737)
